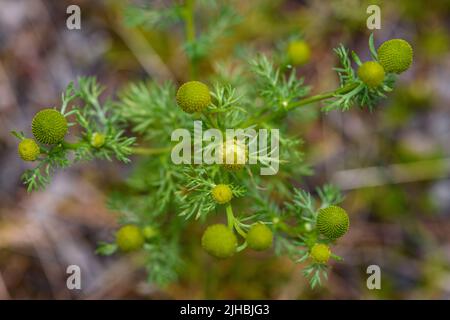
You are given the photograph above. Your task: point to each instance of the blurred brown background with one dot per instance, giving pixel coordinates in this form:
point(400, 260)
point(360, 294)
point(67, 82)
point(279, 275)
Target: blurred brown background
point(393, 164)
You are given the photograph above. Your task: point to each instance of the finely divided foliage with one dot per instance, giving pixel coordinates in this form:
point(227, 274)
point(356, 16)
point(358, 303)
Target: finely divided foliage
point(160, 195)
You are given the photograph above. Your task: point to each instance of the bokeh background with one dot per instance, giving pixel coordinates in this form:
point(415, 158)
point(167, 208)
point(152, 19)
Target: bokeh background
point(393, 164)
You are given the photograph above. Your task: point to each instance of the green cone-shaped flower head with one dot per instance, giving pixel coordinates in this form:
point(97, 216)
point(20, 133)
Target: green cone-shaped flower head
point(129, 238)
point(320, 253)
point(371, 73)
point(49, 126)
point(332, 222)
point(28, 150)
point(219, 241)
point(222, 193)
point(98, 140)
point(259, 237)
point(298, 52)
point(395, 55)
point(193, 96)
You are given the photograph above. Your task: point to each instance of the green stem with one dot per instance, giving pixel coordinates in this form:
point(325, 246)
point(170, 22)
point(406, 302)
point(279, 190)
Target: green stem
point(190, 34)
point(323, 96)
point(303, 102)
point(242, 247)
point(135, 150)
point(233, 222)
point(71, 146)
point(149, 151)
point(230, 216)
point(239, 229)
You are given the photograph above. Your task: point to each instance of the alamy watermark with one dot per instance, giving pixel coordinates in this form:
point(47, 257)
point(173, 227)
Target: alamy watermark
point(374, 20)
point(374, 280)
point(73, 281)
point(232, 147)
point(73, 21)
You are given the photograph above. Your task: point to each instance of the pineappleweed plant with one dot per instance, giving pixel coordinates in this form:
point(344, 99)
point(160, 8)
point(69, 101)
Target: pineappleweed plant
point(160, 198)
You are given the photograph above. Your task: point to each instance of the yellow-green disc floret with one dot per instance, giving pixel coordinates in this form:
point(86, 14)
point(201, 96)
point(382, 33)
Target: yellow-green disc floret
point(129, 238)
point(28, 149)
point(395, 55)
point(98, 140)
point(298, 52)
point(222, 193)
point(219, 241)
point(320, 253)
point(259, 237)
point(371, 73)
point(49, 126)
point(332, 222)
point(193, 96)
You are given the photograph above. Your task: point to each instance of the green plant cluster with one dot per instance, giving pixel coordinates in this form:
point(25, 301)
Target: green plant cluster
point(100, 134)
point(160, 198)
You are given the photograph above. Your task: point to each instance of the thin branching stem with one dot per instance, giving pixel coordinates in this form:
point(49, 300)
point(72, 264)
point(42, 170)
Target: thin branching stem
point(303, 102)
point(71, 146)
point(233, 222)
point(322, 96)
point(230, 216)
point(239, 229)
point(149, 151)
